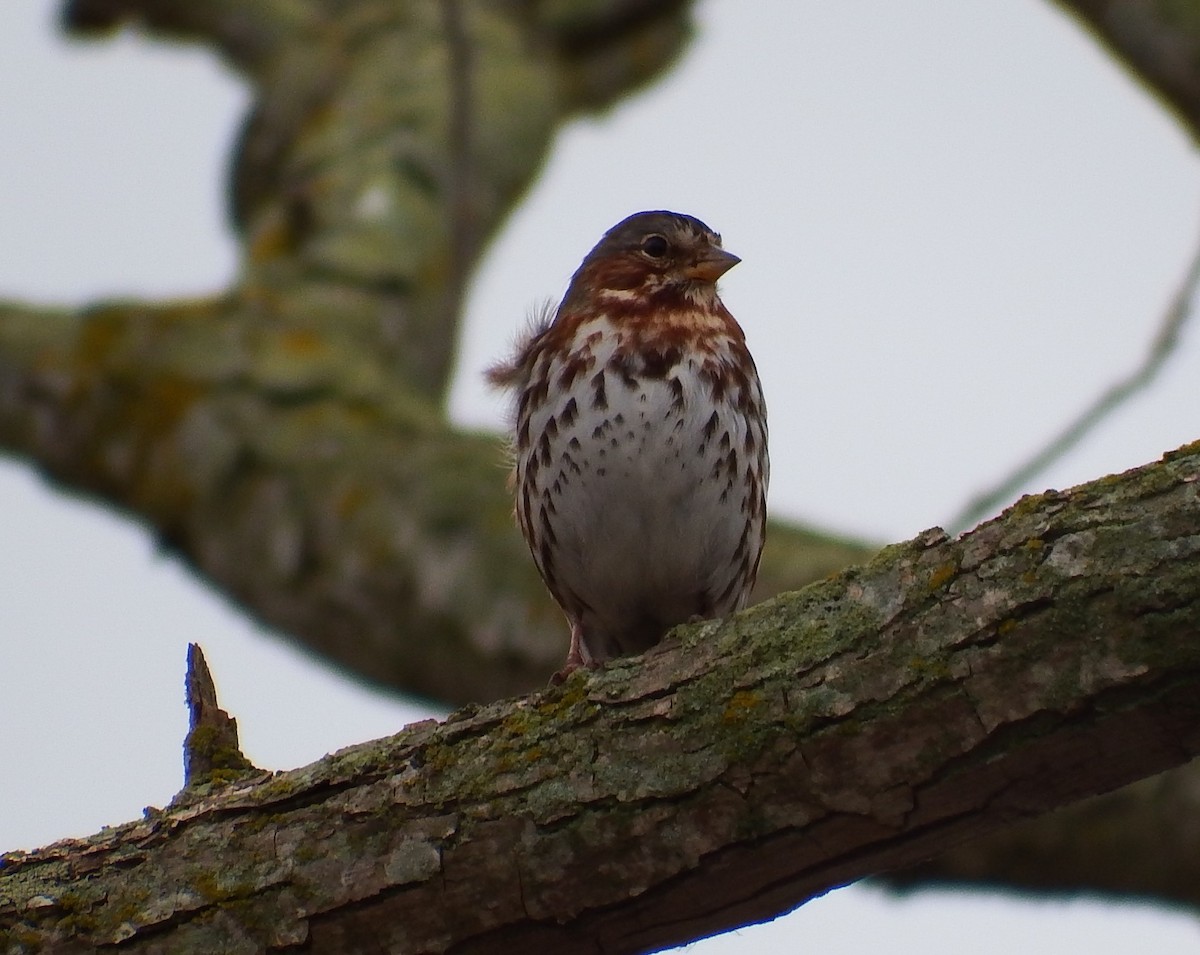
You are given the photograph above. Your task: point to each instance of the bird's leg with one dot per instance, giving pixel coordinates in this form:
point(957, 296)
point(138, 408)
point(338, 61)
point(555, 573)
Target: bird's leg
point(575, 658)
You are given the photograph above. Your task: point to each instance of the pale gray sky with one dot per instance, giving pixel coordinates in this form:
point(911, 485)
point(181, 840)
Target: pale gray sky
point(957, 223)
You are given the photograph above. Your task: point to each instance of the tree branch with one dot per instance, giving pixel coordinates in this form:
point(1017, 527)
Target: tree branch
point(398, 562)
point(210, 751)
point(1137, 842)
point(937, 693)
point(293, 470)
point(288, 439)
point(1158, 40)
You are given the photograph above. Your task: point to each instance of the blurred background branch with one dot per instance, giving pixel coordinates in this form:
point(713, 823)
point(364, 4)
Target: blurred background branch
point(288, 438)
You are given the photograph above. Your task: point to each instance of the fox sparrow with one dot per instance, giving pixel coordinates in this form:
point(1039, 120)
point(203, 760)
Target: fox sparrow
point(640, 441)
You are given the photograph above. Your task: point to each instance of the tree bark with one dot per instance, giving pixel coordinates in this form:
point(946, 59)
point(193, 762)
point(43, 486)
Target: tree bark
point(935, 694)
point(288, 438)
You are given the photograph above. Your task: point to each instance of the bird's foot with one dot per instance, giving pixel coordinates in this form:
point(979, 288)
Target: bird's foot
point(575, 658)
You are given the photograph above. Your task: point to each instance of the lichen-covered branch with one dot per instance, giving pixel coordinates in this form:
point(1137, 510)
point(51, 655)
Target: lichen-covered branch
point(1158, 40)
point(943, 690)
point(287, 438)
point(293, 469)
point(211, 752)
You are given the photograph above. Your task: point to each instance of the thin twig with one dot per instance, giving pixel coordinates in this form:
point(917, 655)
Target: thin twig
point(1161, 348)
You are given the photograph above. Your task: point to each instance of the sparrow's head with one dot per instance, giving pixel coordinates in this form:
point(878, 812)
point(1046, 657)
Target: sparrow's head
point(652, 256)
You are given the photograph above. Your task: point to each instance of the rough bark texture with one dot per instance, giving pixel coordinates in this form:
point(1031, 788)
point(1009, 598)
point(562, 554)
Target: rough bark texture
point(940, 691)
point(211, 752)
point(288, 438)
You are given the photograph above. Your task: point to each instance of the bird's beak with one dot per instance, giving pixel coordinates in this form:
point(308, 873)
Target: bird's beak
point(710, 264)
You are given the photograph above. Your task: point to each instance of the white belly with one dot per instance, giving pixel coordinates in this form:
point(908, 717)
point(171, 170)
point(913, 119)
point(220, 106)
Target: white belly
point(645, 496)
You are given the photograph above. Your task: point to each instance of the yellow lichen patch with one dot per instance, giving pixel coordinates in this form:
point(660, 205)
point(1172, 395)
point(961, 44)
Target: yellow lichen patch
point(163, 403)
point(1193, 448)
point(942, 575)
point(1028, 504)
point(741, 705)
point(574, 691)
point(99, 336)
point(301, 342)
point(1008, 625)
point(272, 238)
point(930, 667)
point(1035, 549)
point(350, 500)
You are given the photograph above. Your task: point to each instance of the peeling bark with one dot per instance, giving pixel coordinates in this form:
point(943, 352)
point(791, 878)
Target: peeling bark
point(937, 693)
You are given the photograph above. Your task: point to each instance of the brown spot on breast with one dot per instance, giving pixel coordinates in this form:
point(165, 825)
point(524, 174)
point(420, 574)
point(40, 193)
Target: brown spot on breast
point(570, 410)
point(545, 549)
point(623, 366)
point(742, 543)
point(525, 516)
point(676, 387)
point(599, 392)
point(716, 382)
point(536, 392)
point(658, 362)
point(579, 363)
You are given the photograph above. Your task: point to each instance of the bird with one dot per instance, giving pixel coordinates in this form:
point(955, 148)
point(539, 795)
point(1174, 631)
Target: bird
point(639, 441)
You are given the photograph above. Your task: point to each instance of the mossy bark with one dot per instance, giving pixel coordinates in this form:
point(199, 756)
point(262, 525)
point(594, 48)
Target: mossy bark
point(937, 693)
point(288, 438)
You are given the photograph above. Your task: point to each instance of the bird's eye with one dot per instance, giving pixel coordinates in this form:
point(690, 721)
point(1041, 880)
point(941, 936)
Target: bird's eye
point(654, 246)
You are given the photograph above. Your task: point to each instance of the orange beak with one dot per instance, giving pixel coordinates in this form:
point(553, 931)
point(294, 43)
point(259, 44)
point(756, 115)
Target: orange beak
point(711, 264)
